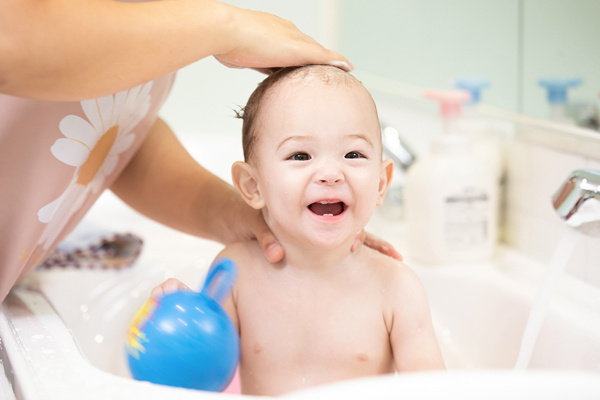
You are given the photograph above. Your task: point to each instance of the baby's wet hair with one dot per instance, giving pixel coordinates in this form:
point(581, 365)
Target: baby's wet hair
point(309, 73)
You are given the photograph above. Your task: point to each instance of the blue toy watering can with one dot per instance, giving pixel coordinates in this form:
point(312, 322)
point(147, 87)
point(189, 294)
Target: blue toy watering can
point(185, 338)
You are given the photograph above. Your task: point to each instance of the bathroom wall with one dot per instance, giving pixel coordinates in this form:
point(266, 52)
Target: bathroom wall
point(539, 160)
point(430, 42)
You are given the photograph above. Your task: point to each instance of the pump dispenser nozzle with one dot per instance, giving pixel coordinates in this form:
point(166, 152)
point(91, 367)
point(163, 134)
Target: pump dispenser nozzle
point(474, 86)
point(557, 95)
point(450, 106)
point(557, 88)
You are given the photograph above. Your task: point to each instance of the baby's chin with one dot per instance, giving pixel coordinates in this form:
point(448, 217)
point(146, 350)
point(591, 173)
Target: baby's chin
point(318, 232)
point(330, 241)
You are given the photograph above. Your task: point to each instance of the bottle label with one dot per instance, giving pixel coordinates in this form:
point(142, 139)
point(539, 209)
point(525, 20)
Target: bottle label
point(466, 220)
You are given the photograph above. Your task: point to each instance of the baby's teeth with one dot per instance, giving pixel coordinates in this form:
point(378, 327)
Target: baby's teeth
point(328, 215)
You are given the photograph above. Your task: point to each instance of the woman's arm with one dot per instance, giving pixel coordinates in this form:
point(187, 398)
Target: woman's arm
point(165, 183)
point(77, 49)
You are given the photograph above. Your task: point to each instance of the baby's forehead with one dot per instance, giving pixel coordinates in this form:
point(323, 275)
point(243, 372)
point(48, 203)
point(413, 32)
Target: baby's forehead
point(298, 92)
point(287, 89)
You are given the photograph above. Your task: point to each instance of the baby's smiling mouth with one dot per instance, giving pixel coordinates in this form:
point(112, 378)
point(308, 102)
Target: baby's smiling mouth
point(327, 209)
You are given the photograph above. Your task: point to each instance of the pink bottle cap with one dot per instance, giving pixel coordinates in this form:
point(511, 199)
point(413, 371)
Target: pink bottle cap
point(450, 101)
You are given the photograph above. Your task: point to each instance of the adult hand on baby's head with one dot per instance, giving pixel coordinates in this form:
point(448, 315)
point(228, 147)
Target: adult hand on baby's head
point(376, 243)
point(264, 42)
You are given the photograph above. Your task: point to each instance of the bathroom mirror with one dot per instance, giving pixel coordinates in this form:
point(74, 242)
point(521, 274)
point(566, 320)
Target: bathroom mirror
point(512, 43)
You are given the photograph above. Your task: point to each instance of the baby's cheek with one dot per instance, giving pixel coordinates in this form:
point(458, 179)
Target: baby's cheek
point(366, 208)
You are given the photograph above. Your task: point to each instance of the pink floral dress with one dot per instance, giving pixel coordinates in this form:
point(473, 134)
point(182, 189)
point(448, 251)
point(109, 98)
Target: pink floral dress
point(56, 158)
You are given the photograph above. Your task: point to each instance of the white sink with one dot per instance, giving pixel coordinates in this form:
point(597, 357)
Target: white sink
point(62, 331)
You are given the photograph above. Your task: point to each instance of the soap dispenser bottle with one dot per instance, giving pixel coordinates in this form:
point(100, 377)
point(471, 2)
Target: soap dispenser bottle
point(483, 135)
point(557, 97)
point(450, 196)
point(488, 138)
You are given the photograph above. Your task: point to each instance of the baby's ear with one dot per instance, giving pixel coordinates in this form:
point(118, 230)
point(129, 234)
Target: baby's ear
point(385, 178)
point(243, 176)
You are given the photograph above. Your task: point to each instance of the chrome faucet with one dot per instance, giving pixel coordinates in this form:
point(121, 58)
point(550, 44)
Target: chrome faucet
point(395, 148)
point(577, 201)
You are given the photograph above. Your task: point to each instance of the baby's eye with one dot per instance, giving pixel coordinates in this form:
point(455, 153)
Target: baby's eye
point(354, 154)
point(300, 157)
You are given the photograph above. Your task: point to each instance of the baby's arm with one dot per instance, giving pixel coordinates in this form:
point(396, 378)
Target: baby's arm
point(414, 343)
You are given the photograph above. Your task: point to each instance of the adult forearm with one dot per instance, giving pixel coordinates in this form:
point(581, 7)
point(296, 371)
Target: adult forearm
point(165, 183)
point(70, 50)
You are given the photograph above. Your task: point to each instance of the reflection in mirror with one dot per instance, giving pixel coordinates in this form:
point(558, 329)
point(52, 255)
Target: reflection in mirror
point(515, 44)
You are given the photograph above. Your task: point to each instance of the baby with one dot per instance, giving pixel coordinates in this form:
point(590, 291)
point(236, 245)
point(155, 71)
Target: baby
point(314, 167)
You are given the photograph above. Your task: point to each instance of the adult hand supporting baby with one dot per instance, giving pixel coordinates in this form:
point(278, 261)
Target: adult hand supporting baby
point(256, 228)
point(376, 243)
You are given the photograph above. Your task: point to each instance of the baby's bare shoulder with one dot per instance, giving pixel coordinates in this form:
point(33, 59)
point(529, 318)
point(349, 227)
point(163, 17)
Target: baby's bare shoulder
point(398, 278)
point(249, 258)
point(386, 266)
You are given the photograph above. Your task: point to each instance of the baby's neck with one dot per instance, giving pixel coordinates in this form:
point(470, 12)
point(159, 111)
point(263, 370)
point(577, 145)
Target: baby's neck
point(317, 260)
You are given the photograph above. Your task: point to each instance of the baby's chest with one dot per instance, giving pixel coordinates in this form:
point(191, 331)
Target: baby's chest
point(343, 334)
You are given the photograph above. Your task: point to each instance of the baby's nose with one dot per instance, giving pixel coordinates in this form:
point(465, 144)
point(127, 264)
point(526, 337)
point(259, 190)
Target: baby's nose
point(329, 173)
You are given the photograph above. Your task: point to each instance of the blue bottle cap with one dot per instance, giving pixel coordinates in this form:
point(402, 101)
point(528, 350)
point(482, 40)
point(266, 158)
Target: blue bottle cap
point(473, 85)
point(557, 88)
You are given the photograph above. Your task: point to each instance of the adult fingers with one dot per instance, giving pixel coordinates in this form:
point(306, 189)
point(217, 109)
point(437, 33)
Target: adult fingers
point(376, 243)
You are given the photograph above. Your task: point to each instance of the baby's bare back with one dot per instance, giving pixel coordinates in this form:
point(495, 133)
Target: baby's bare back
point(301, 328)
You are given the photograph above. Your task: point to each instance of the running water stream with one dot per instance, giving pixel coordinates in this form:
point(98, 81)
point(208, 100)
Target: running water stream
point(559, 259)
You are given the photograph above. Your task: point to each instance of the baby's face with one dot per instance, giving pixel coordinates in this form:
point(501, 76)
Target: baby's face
point(320, 172)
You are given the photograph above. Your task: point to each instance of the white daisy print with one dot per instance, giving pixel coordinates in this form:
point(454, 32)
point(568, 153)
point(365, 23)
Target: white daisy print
point(93, 147)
